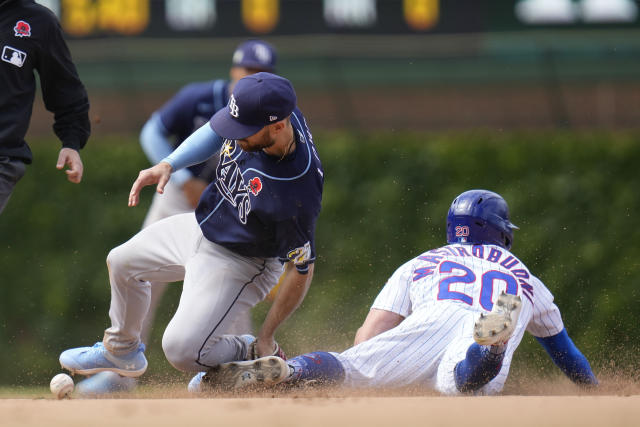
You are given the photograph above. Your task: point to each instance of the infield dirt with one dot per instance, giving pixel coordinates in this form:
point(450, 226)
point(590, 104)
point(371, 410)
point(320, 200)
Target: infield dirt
point(559, 403)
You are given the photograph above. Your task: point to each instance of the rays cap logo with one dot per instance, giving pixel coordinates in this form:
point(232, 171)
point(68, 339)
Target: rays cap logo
point(257, 101)
point(255, 55)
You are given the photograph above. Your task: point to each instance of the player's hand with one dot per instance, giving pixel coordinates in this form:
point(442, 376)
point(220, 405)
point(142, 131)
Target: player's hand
point(71, 158)
point(159, 174)
point(266, 347)
point(193, 189)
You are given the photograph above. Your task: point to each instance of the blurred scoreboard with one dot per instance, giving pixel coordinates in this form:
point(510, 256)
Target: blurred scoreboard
point(230, 18)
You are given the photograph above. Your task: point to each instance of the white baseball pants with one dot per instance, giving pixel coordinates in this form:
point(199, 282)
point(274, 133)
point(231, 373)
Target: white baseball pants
point(422, 351)
point(218, 286)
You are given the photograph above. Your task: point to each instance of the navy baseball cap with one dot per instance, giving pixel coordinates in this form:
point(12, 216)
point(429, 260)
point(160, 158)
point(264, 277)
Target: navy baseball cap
point(255, 54)
point(256, 101)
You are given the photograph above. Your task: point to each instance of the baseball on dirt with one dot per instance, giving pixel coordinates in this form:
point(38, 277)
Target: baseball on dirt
point(61, 386)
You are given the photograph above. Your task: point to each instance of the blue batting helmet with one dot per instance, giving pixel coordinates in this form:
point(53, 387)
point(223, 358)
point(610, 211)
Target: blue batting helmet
point(480, 216)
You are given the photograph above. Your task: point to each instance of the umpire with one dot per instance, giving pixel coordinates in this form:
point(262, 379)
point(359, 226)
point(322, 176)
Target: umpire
point(31, 39)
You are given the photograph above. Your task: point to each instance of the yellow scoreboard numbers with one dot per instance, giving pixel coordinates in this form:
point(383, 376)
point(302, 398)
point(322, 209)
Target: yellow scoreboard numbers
point(260, 16)
point(421, 14)
point(85, 17)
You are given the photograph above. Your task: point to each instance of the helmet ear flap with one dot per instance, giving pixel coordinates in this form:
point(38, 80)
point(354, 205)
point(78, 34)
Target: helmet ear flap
point(507, 241)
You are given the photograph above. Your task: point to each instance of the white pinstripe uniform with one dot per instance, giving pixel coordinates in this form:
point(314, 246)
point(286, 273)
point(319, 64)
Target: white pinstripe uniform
point(440, 293)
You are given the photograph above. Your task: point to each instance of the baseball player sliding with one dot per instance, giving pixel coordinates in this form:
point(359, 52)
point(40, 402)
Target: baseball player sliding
point(188, 110)
point(258, 214)
point(449, 319)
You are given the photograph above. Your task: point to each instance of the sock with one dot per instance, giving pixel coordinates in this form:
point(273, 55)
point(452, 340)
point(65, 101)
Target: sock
point(319, 365)
point(481, 364)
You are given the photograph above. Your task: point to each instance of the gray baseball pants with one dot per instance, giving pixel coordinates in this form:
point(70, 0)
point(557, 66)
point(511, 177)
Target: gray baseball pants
point(218, 286)
point(10, 173)
point(174, 202)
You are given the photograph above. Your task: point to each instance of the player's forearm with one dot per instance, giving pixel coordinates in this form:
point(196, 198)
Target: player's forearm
point(568, 358)
point(377, 322)
point(292, 291)
point(156, 145)
point(154, 141)
point(197, 148)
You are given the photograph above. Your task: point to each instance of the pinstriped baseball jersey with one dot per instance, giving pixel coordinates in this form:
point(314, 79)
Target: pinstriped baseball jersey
point(440, 293)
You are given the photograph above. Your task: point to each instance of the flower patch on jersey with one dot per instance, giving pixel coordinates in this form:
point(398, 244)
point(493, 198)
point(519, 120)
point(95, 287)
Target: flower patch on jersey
point(301, 255)
point(22, 29)
point(255, 185)
point(13, 56)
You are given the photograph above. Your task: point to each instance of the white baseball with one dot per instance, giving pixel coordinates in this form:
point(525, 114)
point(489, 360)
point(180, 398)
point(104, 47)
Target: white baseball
point(61, 386)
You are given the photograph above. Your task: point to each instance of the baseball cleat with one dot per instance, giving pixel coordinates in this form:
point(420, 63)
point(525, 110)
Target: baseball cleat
point(92, 360)
point(496, 327)
point(196, 384)
point(267, 370)
point(105, 383)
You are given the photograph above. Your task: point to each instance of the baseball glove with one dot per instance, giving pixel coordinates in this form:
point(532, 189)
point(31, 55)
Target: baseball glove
point(252, 351)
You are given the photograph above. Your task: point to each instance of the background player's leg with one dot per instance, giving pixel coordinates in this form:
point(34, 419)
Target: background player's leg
point(219, 285)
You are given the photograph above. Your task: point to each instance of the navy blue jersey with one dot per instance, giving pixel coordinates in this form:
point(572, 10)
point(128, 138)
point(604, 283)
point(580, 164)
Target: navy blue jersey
point(31, 39)
point(263, 206)
point(189, 109)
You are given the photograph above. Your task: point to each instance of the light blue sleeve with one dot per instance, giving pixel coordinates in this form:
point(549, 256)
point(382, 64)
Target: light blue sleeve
point(156, 145)
point(198, 147)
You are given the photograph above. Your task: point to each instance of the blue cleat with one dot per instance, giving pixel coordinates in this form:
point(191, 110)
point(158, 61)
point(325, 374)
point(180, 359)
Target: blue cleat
point(195, 385)
point(91, 360)
point(105, 383)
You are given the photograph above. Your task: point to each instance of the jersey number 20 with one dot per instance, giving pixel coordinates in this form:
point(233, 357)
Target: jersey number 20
point(461, 274)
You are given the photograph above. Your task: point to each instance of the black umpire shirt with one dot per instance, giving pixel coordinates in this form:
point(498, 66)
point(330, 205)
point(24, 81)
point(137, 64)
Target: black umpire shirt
point(31, 39)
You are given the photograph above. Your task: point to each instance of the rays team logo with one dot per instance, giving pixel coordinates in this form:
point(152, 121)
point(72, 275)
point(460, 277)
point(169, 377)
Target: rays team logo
point(299, 256)
point(230, 182)
point(233, 107)
point(228, 148)
point(22, 29)
point(13, 56)
point(255, 185)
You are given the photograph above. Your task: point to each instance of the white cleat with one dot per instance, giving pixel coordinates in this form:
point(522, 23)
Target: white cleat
point(496, 327)
point(267, 370)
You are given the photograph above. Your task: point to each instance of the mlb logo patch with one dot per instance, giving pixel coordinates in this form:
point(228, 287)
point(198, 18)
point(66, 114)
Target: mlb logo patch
point(13, 56)
point(22, 29)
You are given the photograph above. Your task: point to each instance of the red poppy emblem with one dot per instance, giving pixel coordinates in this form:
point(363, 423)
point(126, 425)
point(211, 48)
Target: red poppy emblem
point(255, 185)
point(22, 29)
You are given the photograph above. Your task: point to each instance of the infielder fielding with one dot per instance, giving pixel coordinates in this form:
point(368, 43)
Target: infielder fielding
point(259, 214)
point(31, 39)
point(449, 319)
point(183, 114)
